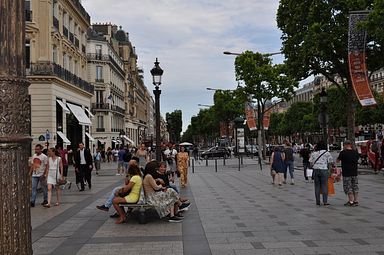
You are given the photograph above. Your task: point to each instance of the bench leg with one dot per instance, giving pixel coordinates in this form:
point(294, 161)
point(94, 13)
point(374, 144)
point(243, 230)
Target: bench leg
point(142, 218)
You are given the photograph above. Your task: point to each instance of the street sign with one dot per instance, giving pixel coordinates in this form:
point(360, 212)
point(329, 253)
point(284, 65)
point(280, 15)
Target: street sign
point(41, 138)
point(47, 136)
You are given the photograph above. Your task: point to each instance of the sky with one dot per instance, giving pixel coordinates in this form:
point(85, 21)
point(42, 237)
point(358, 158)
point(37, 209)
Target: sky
point(188, 38)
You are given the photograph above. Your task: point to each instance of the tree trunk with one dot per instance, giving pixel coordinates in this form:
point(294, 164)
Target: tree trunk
point(351, 113)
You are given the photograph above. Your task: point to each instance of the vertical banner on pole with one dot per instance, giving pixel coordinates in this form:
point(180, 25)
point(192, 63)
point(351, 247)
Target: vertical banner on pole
point(267, 115)
point(250, 113)
point(241, 140)
point(356, 59)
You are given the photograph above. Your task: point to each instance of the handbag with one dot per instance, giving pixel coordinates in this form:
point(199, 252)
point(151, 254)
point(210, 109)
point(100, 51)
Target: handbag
point(310, 169)
point(59, 182)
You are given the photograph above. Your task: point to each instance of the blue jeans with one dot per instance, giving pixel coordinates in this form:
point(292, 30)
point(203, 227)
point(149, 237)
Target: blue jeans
point(288, 166)
point(173, 186)
point(108, 202)
point(321, 180)
point(35, 183)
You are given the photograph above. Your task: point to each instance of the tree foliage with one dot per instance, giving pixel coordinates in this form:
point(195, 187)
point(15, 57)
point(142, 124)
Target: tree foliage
point(174, 125)
point(315, 39)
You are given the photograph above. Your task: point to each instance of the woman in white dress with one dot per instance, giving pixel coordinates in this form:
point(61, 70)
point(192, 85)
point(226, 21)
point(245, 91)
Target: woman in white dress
point(53, 173)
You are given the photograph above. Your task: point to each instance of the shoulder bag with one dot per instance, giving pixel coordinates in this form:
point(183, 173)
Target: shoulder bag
point(60, 181)
point(310, 169)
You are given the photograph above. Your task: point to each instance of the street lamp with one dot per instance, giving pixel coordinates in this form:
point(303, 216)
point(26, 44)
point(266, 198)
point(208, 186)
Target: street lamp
point(156, 73)
point(204, 105)
point(323, 118)
point(264, 54)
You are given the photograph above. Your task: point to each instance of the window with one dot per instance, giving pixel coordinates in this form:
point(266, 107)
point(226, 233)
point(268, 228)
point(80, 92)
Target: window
point(100, 121)
point(98, 51)
point(27, 54)
point(65, 61)
point(99, 72)
point(99, 96)
point(54, 54)
point(76, 68)
point(70, 66)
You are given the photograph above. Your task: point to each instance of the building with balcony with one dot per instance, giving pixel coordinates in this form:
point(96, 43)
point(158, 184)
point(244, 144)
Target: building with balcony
point(106, 73)
point(57, 70)
point(377, 81)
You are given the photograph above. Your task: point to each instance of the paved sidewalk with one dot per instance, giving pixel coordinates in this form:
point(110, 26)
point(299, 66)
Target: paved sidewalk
point(232, 212)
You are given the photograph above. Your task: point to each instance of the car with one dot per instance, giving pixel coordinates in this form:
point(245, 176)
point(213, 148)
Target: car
point(251, 149)
point(220, 152)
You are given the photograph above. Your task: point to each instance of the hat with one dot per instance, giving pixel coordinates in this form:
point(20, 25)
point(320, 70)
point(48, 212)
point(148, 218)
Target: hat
point(347, 142)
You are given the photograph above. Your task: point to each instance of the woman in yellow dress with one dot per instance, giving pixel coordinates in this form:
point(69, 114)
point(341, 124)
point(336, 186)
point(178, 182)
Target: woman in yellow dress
point(182, 166)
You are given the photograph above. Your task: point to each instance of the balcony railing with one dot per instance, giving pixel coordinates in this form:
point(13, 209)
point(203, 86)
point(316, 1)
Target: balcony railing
point(97, 56)
point(65, 31)
point(56, 23)
point(100, 129)
point(28, 15)
point(52, 69)
point(99, 80)
point(118, 109)
point(100, 106)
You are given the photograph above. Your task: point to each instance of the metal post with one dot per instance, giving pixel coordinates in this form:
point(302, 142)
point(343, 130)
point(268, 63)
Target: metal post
point(157, 93)
point(239, 162)
point(193, 165)
point(224, 161)
point(206, 162)
point(216, 165)
point(15, 140)
point(241, 156)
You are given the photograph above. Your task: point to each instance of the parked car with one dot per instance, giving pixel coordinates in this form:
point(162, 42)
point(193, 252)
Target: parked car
point(251, 149)
point(216, 152)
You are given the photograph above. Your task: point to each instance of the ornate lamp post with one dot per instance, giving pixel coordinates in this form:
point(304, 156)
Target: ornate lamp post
point(15, 140)
point(157, 72)
point(323, 118)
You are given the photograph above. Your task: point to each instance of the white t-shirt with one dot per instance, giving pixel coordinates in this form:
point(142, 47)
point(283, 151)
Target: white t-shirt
point(39, 162)
point(323, 161)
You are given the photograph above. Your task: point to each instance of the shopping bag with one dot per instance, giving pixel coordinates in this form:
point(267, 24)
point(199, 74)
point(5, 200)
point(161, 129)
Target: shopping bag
point(331, 187)
point(309, 172)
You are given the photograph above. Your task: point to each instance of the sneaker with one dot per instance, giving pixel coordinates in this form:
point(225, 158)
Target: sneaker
point(284, 182)
point(102, 207)
point(117, 174)
point(327, 204)
point(184, 207)
point(175, 219)
point(292, 182)
point(349, 203)
point(356, 203)
point(116, 215)
point(179, 215)
point(44, 202)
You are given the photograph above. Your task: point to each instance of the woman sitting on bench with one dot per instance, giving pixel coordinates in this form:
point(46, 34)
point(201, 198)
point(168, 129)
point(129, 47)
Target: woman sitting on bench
point(129, 193)
point(166, 201)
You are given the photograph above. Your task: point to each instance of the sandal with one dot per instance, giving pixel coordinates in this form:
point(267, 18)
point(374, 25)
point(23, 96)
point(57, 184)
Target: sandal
point(47, 205)
point(57, 204)
point(120, 220)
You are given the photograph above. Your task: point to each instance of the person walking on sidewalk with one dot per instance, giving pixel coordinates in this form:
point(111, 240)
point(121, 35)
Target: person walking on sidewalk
point(320, 160)
point(53, 172)
point(349, 159)
point(277, 165)
point(83, 166)
point(38, 164)
point(305, 153)
point(97, 160)
point(120, 161)
point(288, 162)
point(182, 166)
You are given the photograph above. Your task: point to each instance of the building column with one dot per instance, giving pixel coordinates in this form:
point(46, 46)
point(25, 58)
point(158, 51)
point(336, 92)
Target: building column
point(15, 141)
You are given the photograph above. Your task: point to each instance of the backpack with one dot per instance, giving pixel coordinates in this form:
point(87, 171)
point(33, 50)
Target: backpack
point(288, 154)
point(127, 156)
point(375, 146)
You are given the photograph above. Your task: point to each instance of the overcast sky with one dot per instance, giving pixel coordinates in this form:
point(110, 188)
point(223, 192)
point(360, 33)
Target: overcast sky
point(188, 38)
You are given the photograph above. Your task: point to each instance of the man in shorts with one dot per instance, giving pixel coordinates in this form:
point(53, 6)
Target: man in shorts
point(349, 159)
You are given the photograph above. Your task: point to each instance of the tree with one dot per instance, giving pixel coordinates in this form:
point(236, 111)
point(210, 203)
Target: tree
point(228, 105)
point(301, 113)
point(263, 81)
point(315, 39)
point(174, 125)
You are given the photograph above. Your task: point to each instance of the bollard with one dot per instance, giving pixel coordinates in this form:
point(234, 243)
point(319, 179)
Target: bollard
point(241, 156)
point(215, 165)
point(239, 162)
point(193, 166)
point(224, 161)
point(206, 161)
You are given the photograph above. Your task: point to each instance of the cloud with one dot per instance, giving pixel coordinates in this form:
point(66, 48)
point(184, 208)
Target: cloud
point(189, 37)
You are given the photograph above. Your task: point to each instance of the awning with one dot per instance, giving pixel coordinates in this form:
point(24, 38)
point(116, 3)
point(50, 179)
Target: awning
point(129, 140)
point(102, 141)
point(63, 106)
point(65, 139)
point(89, 113)
point(89, 136)
point(80, 115)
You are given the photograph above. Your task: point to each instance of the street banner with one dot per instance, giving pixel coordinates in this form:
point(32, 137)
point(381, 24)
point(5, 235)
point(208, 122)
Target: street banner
point(267, 115)
point(240, 140)
point(356, 58)
point(250, 114)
